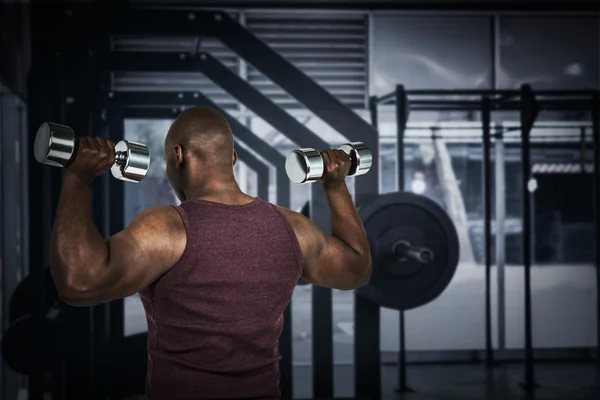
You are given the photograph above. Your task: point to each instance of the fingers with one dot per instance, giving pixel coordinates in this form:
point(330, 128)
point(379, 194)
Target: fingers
point(326, 159)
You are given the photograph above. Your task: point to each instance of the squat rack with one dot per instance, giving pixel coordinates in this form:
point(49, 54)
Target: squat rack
point(528, 103)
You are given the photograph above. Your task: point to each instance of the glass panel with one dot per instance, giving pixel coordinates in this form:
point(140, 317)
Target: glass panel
point(430, 52)
point(549, 53)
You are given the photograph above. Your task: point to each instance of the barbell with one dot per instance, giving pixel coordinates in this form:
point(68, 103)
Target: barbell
point(55, 145)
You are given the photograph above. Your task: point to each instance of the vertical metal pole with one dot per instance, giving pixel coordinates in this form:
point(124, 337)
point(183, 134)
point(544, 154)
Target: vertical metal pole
point(367, 350)
point(373, 111)
point(528, 114)
point(486, 111)
point(500, 242)
point(115, 123)
point(596, 147)
point(285, 340)
point(402, 111)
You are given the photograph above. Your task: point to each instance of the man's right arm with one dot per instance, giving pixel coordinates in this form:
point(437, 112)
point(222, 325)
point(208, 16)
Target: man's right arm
point(341, 260)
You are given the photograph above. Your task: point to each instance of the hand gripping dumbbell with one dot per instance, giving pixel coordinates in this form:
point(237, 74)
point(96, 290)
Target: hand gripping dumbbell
point(306, 165)
point(55, 145)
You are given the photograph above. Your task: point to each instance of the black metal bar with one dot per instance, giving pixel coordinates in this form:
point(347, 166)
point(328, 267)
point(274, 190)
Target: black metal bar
point(373, 114)
point(389, 98)
point(436, 6)
point(402, 115)
point(115, 123)
point(150, 113)
point(487, 218)
point(367, 350)
point(596, 147)
point(403, 108)
point(285, 340)
point(529, 112)
point(45, 102)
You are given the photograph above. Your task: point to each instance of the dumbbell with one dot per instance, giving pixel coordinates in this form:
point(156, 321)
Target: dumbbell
point(306, 165)
point(55, 145)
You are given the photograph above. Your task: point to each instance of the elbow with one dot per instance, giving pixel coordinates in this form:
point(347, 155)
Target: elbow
point(76, 291)
point(367, 268)
point(362, 276)
point(76, 296)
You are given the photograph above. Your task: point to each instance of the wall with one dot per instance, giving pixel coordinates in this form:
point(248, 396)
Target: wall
point(13, 206)
point(14, 46)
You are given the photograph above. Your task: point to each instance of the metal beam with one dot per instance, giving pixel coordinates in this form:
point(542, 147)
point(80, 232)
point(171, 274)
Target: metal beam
point(596, 149)
point(433, 6)
point(486, 117)
point(529, 111)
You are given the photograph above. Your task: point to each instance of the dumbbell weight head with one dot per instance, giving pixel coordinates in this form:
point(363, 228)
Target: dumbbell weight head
point(304, 165)
point(132, 161)
point(361, 157)
point(54, 144)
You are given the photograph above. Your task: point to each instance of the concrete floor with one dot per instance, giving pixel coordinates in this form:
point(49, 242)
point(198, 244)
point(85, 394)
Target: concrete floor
point(564, 381)
point(557, 381)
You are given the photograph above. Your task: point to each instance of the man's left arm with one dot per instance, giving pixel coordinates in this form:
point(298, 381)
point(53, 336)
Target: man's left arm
point(88, 270)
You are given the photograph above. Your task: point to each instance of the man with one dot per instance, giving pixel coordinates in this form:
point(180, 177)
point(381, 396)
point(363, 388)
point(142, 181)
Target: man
point(216, 273)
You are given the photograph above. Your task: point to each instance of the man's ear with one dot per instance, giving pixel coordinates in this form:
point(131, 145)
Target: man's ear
point(235, 156)
point(178, 155)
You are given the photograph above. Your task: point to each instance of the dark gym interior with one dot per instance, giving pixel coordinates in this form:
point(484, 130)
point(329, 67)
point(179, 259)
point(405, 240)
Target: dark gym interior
point(487, 111)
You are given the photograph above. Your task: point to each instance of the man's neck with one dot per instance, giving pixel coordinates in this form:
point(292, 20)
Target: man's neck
point(214, 189)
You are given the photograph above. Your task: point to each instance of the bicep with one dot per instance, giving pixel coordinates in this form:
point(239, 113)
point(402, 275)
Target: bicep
point(327, 258)
point(142, 252)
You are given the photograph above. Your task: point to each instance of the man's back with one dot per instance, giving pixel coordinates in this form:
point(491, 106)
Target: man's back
point(214, 319)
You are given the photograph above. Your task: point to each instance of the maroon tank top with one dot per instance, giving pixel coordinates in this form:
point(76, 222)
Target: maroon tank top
point(215, 318)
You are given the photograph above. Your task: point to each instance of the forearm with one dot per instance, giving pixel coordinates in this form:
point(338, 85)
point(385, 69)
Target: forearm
point(77, 251)
point(345, 221)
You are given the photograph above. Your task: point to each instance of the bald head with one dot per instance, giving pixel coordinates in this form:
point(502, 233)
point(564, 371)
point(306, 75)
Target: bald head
point(199, 151)
point(203, 133)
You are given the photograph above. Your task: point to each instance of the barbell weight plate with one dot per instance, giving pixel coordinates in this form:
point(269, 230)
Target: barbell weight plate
point(403, 216)
point(29, 345)
point(35, 294)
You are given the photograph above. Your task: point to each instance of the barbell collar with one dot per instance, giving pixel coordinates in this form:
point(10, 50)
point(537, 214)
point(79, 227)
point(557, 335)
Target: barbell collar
point(303, 165)
point(403, 250)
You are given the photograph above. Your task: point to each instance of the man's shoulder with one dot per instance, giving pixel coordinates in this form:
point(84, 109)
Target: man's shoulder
point(164, 217)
